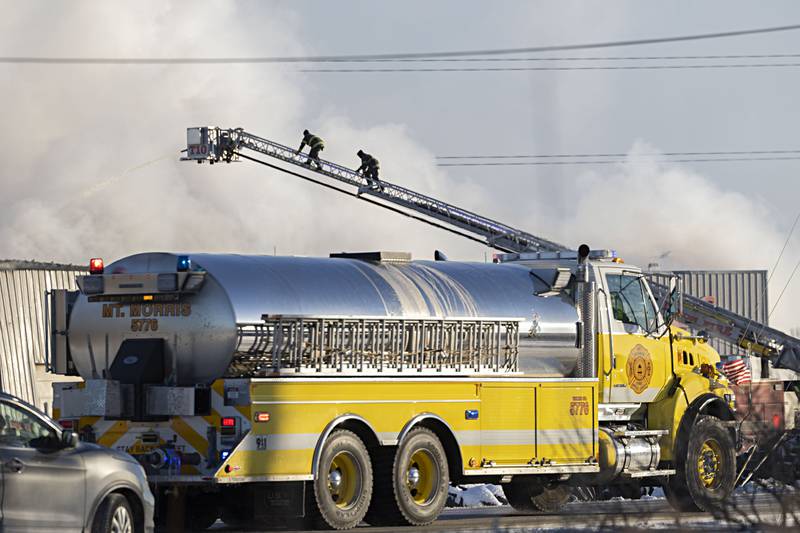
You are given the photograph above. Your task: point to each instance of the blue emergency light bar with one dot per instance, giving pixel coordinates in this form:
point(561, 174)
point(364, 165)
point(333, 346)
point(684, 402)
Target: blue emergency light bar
point(184, 263)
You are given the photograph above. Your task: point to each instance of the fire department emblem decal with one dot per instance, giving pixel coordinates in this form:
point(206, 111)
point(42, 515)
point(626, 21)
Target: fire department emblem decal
point(639, 369)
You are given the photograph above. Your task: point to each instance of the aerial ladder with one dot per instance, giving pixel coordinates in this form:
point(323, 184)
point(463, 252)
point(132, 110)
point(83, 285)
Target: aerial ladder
point(214, 145)
point(782, 350)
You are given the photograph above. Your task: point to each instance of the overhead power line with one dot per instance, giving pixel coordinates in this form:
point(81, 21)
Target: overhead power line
point(404, 55)
point(613, 161)
point(576, 58)
point(622, 154)
point(352, 70)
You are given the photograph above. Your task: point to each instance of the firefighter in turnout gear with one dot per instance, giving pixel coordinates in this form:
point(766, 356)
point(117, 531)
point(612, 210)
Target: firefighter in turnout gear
point(369, 169)
point(316, 145)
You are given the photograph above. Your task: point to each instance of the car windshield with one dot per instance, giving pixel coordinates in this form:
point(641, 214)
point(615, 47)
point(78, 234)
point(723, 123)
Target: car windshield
point(21, 429)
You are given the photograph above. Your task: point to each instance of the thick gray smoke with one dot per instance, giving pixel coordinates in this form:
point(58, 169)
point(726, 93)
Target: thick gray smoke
point(652, 212)
point(94, 167)
point(91, 156)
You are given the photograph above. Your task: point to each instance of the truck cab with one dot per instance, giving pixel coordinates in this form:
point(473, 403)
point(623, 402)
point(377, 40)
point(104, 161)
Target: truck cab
point(656, 382)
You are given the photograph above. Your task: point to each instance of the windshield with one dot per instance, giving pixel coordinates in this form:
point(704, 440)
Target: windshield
point(631, 302)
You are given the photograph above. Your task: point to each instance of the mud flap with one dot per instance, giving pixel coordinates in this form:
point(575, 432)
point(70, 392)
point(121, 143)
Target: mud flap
point(282, 499)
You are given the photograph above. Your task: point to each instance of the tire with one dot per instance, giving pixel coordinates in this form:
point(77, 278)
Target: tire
point(705, 467)
point(520, 493)
point(420, 477)
point(528, 496)
point(114, 516)
point(343, 488)
point(552, 499)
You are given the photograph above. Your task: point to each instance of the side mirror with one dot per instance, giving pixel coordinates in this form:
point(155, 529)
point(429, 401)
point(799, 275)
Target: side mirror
point(671, 302)
point(69, 439)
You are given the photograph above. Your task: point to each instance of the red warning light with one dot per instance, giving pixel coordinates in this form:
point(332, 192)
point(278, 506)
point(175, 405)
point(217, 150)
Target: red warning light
point(262, 417)
point(228, 422)
point(95, 265)
point(776, 421)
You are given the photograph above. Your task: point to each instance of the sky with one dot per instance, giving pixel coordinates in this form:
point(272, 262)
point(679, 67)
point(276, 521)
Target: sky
point(91, 167)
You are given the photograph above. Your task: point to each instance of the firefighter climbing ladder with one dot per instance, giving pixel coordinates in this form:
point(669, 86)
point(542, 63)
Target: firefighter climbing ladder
point(218, 144)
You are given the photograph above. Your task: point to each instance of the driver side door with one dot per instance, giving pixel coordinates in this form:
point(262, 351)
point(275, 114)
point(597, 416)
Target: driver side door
point(43, 488)
point(638, 366)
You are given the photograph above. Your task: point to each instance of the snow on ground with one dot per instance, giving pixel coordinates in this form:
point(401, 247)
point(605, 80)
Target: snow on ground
point(475, 496)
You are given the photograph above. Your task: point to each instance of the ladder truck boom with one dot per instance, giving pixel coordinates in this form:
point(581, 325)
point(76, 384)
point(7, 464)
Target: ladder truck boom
point(782, 350)
point(214, 144)
point(218, 144)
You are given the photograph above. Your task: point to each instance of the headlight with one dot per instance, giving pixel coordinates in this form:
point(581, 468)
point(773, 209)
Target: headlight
point(731, 400)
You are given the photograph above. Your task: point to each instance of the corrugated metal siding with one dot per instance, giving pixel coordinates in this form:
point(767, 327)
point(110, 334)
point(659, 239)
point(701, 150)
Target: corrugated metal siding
point(22, 335)
point(742, 291)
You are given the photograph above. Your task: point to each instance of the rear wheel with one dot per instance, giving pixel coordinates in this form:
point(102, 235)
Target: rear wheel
point(343, 488)
point(421, 477)
point(705, 467)
point(411, 482)
point(552, 499)
point(520, 493)
point(528, 495)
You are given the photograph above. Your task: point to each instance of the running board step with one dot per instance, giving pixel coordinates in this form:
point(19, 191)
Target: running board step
point(642, 433)
point(647, 473)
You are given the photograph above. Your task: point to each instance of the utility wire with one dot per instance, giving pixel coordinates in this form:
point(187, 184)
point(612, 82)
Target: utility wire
point(573, 58)
point(621, 154)
point(775, 305)
point(403, 55)
point(718, 66)
point(614, 161)
point(769, 279)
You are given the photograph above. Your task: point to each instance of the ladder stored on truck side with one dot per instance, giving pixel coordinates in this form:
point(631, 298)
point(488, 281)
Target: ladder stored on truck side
point(214, 145)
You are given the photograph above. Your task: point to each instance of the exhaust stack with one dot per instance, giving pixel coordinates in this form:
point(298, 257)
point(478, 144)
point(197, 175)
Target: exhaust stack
point(585, 297)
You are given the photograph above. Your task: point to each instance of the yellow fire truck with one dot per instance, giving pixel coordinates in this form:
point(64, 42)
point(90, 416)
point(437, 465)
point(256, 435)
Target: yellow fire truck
point(358, 387)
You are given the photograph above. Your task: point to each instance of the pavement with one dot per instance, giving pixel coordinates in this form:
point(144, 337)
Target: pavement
point(746, 513)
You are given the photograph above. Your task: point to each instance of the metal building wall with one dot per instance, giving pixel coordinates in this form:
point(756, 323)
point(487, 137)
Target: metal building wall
point(22, 312)
point(742, 291)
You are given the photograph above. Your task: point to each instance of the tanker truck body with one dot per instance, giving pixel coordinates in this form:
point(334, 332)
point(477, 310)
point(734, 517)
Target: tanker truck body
point(359, 386)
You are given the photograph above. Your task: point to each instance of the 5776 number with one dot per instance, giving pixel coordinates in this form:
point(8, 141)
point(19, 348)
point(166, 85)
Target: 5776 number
point(144, 324)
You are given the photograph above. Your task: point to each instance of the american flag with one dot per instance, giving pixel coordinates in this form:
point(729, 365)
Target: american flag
point(737, 371)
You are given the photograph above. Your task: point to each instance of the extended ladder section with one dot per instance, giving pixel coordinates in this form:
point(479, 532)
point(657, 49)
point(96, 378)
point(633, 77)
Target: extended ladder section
point(782, 350)
point(366, 345)
point(216, 144)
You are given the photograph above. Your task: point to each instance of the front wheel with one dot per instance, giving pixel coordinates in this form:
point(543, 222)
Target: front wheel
point(705, 467)
point(113, 516)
